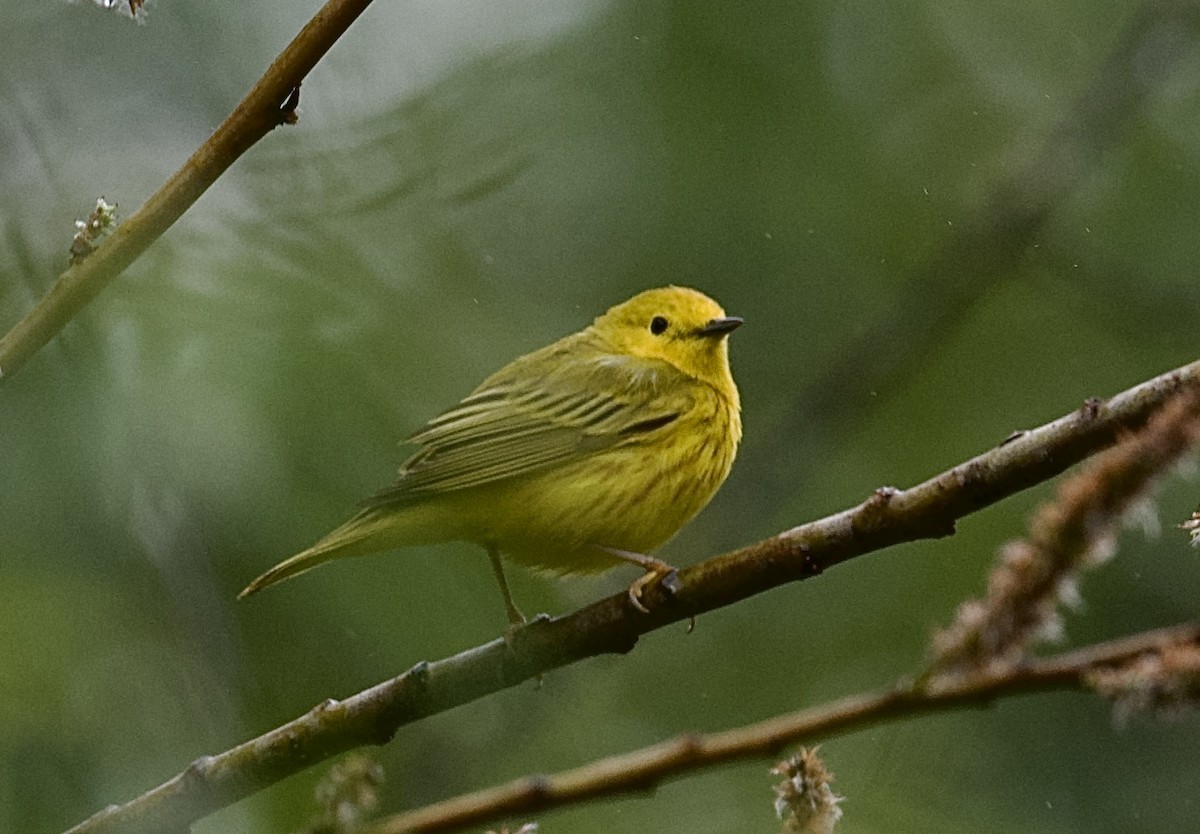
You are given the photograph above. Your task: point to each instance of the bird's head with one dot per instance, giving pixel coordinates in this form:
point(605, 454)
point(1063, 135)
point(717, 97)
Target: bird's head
point(678, 325)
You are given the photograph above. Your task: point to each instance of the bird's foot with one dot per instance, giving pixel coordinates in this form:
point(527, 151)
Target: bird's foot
point(656, 570)
point(666, 576)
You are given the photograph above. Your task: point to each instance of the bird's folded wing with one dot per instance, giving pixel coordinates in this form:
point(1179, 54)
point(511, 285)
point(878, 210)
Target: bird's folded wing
point(518, 422)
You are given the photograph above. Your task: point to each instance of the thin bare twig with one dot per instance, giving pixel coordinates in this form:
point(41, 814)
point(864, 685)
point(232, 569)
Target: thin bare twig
point(642, 770)
point(271, 102)
point(889, 516)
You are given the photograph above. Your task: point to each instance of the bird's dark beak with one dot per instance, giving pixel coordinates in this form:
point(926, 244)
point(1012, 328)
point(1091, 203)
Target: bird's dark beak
point(721, 327)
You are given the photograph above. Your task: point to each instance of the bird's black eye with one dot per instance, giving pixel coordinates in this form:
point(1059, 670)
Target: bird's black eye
point(658, 325)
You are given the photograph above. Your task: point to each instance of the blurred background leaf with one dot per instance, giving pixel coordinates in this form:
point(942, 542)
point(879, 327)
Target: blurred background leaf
point(941, 222)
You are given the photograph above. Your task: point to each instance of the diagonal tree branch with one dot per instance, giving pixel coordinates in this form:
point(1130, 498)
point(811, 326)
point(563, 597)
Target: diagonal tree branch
point(612, 625)
point(270, 103)
point(644, 769)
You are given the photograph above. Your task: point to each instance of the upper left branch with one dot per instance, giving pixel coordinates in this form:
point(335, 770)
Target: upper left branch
point(270, 102)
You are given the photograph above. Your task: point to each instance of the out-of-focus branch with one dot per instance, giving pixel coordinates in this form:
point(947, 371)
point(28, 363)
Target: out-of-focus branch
point(987, 245)
point(271, 102)
point(612, 625)
point(990, 242)
point(642, 770)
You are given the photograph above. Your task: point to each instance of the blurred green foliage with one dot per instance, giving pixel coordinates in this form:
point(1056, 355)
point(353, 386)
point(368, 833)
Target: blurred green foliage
point(931, 239)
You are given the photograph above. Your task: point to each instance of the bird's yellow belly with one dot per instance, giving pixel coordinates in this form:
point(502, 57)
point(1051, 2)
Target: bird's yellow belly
point(629, 498)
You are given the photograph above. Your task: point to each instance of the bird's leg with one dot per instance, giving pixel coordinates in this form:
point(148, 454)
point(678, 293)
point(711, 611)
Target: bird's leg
point(515, 617)
point(656, 570)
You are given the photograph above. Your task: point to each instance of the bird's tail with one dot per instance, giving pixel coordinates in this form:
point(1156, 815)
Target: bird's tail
point(357, 537)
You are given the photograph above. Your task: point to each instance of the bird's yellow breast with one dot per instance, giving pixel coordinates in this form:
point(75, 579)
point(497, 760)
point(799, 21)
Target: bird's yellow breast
point(633, 496)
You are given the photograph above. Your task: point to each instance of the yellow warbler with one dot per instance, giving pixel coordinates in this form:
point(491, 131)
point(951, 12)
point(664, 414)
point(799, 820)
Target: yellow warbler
point(591, 451)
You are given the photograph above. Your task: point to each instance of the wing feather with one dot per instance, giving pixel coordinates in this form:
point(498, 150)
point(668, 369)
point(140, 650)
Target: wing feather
point(519, 421)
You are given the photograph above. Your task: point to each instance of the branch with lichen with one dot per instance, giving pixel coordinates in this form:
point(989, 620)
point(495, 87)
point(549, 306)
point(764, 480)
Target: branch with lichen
point(1077, 531)
point(271, 102)
point(890, 516)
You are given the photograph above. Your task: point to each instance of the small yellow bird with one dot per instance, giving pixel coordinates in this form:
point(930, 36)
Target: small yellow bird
point(575, 458)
